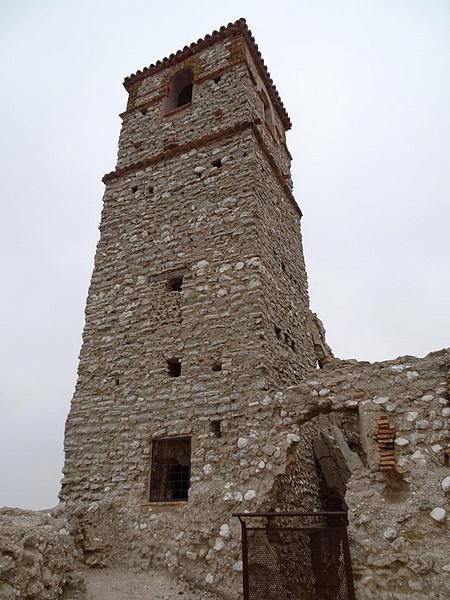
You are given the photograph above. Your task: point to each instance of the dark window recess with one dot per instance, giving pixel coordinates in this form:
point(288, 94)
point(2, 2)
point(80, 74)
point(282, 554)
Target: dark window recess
point(279, 136)
point(185, 96)
point(117, 380)
point(180, 90)
point(171, 469)
point(217, 163)
point(216, 367)
point(217, 79)
point(151, 189)
point(216, 428)
point(267, 111)
point(144, 111)
point(278, 332)
point(174, 367)
point(176, 284)
point(134, 189)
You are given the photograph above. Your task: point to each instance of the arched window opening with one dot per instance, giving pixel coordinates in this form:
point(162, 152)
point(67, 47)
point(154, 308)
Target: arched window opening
point(267, 111)
point(180, 90)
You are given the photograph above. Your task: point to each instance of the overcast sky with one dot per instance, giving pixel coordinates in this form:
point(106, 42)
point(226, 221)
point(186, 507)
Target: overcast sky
point(366, 84)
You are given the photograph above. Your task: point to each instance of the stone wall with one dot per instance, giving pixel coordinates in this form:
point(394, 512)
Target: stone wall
point(214, 208)
point(398, 520)
point(205, 194)
point(37, 556)
point(264, 460)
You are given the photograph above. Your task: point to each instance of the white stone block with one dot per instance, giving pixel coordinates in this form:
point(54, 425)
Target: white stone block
point(419, 458)
point(250, 495)
point(445, 484)
point(412, 375)
point(381, 399)
point(389, 533)
point(439, 514)
point(401, 441)
point(219, 544)
point(224, 531)
point(436, 448)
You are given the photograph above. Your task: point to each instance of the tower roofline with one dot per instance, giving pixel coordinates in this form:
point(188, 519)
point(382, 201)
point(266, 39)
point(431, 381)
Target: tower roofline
point(237, 28)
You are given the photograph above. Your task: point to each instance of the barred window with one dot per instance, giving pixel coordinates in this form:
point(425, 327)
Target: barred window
point(170, 469)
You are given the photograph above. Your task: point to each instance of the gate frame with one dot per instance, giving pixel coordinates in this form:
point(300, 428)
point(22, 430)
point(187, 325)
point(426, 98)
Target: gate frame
point(342, 515)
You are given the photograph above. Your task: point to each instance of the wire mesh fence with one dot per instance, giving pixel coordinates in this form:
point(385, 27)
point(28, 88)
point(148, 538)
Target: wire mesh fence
point(296, 556)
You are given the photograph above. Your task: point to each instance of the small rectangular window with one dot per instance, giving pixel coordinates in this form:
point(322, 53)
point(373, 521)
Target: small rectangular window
point(174, 367)
point(176, 284)
point(170, 470)
point(215, 427)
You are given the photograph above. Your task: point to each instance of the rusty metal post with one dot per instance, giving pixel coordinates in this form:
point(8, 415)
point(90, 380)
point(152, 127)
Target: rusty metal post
point(348, 564)
point(244, 558)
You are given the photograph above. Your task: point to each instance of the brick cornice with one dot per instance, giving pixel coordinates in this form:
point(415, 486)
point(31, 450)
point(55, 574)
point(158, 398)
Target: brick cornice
point(175, 150)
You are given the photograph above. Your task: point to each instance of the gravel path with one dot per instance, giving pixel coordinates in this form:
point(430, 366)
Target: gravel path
point(114, 584)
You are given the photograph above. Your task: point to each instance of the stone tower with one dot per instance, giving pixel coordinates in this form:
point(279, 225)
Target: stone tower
point(198, 302)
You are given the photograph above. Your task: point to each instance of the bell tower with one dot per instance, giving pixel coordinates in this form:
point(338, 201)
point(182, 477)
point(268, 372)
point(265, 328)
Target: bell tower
point(198, 301)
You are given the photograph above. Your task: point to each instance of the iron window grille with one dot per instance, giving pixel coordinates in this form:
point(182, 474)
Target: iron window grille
point(170, 469)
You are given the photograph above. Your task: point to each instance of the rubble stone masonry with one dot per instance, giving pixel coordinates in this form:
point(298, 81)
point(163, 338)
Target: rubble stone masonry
point(198, 324)
point(202, 194)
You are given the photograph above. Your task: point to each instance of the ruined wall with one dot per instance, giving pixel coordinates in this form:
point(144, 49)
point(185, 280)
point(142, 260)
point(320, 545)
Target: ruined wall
point(398, 520)
point(300, 487)
point(204, 193)
point(37, 556)
point(242, 469)
point(264, 460)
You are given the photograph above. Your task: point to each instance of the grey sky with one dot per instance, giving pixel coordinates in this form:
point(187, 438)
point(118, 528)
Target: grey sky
point(367, 87)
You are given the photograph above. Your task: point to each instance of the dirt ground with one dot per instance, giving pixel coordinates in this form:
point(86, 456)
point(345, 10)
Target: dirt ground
point(114, 584)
